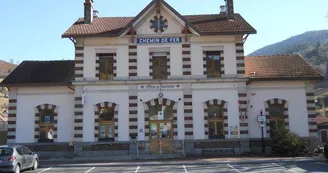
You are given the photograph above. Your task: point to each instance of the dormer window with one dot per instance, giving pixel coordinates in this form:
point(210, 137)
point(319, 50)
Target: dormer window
point(106, 67)
point(213, 65)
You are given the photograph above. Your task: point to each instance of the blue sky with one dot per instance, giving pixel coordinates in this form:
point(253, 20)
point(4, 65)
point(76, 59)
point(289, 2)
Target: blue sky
point(31, 29)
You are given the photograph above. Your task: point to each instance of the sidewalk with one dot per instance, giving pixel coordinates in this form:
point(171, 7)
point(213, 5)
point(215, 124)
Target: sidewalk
point(105, 161)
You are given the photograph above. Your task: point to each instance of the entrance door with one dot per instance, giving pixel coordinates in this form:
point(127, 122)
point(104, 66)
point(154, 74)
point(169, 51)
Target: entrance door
point(323, 136)
point(161, 136)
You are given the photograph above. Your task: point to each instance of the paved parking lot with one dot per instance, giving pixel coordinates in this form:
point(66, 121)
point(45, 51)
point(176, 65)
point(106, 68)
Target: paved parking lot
point(285, 167)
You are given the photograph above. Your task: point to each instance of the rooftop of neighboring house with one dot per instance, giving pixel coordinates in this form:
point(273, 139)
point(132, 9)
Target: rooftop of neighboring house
point(277, 67)
point(3, 117)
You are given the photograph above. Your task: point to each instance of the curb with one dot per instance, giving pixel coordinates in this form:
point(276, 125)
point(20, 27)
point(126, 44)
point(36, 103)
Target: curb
point(100, 163)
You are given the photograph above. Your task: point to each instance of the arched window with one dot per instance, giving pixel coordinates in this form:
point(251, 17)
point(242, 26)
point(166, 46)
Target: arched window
point(160, 112)
point(276, 116)
point(106, 124)
point(47, 125)
point(215, 122)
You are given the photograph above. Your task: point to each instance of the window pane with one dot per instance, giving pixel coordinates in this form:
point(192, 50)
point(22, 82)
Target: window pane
point(217, 65)
point(211, 130)
point(215, 111)
point(154, 111)
point(47, 116)
point(110, 66)
point(159, 67)
point(213, 64)
point(106, 114)
point(111, 131)
point(102, 69)
point(19, 151)
point(153, 130)
point(276, 111)
point(219, 129)
point(168, 112)
point(6, 151)
point(106, 68)
point(102, 131)
point(166, 130)
point(209, 65)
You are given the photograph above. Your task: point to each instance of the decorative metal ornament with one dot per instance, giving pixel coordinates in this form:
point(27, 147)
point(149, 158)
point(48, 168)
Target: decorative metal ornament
point(158, 24)
point(160, 95)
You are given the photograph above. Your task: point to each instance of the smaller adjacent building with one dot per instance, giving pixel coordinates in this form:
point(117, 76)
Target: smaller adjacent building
point(322, 122)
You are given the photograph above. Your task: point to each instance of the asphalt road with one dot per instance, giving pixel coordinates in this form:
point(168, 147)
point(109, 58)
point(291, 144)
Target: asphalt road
point(284, 167)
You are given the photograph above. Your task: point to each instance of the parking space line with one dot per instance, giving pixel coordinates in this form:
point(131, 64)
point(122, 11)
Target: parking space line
point(184, 167)
point(322, 163)
point(90, 169)
point(282, 167)
point(234, 168)
point(137, 169)
point(45, 170)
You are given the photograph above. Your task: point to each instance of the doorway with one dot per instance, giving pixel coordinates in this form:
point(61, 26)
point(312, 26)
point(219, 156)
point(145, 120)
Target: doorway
point(161, 129)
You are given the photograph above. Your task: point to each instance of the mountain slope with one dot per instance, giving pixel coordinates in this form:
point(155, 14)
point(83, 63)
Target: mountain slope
point(6, 68)
point(312, 45)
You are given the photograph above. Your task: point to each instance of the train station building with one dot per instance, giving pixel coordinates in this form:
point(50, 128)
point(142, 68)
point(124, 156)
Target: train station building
point(159, 76)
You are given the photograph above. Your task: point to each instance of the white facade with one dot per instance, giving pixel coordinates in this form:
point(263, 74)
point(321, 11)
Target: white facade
point(76, 109)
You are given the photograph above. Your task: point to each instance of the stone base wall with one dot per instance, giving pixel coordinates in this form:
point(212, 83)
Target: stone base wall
point(136, 149)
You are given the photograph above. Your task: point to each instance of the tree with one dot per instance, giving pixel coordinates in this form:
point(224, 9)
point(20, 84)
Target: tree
point(286, 143)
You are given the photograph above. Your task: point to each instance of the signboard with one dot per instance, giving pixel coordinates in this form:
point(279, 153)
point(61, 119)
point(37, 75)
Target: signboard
point(261, 118)
point(162, 86)
point(262, 124)
point(160, 115)
point(159, 40)
point(234, 131)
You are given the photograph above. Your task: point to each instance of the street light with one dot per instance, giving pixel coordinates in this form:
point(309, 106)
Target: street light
point(262, 119)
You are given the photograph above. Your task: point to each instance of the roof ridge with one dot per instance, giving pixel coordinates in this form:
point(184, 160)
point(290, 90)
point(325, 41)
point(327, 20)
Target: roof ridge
point(273, 55)
point(46, 60)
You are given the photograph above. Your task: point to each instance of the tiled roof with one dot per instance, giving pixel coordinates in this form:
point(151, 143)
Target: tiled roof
point(278, 67)
point(322, 120)
point(41, 73)
point(208, 24)
point(3, 118)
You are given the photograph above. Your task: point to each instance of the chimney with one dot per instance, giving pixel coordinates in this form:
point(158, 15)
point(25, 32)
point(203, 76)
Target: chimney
point(88, 11)
point(95, 13)
point(230, 9)
point(222, 9)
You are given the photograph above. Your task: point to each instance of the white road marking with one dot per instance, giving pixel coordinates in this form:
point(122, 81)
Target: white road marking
point(322, 163)
point(137, 169)
point(184, 167)
point(282, 167)
point(233, 168)
point(45, 170)
point(90, 169)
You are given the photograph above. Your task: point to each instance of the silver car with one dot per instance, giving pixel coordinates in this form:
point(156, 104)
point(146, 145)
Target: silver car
point(14, 158)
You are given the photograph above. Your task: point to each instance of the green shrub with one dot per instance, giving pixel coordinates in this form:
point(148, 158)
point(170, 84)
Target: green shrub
point(287, 143)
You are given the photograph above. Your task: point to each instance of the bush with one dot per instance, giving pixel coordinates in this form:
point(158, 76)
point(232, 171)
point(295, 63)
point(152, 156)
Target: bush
point(286, 143)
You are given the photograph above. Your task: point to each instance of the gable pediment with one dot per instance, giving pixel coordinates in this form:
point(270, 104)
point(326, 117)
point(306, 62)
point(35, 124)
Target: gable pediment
point(158, 18)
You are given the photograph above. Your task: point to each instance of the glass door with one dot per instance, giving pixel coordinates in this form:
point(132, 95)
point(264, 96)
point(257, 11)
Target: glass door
point(161, 136)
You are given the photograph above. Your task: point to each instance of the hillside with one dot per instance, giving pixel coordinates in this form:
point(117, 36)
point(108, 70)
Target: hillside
point(5, 68)
point(312, 45)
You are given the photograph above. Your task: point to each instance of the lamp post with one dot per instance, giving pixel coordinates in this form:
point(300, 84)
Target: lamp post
point(262, 119)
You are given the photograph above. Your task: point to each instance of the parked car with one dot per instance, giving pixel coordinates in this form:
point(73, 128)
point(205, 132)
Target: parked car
point(14, 158)
point(325, 150)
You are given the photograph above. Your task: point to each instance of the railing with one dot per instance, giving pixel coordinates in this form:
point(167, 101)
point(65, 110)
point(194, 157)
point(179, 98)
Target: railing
point(160, 147)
